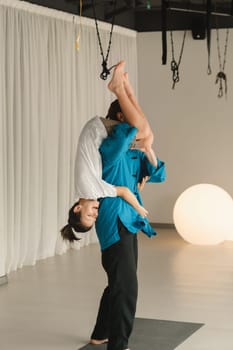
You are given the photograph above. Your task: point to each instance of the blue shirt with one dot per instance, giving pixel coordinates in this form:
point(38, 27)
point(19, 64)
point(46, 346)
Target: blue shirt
point(123, 167)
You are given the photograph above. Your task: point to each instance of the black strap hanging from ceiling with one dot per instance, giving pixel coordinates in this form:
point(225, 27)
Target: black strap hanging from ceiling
point(164, 31)
point(106, 70)
point(208, 31)
point(221, 77)
point(174, 64)
point(231, 7)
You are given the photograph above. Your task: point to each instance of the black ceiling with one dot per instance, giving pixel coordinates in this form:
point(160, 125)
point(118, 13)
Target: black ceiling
point(145, 15)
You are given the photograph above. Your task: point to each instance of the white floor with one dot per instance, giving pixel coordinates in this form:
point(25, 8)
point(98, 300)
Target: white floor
point(53, 304)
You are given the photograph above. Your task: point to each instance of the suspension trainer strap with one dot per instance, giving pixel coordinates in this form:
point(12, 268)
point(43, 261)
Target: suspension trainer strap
point(164, 31)
point(208, 31)
point(221, 77)
point(175, 65)
point(106, 70)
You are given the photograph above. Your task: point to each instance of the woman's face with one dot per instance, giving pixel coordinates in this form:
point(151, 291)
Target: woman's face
point(88, 209)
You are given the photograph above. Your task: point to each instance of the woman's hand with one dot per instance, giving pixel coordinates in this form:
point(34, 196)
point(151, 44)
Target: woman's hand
point(142, 211)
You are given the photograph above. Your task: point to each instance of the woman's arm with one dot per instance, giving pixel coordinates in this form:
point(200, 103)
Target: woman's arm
point(129, 197)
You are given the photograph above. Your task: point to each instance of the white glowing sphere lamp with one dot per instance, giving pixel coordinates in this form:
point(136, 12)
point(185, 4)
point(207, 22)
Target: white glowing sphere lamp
point(203, 215)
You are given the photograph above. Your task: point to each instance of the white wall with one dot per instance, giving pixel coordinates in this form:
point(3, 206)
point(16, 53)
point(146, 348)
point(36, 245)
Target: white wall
point(193, 127)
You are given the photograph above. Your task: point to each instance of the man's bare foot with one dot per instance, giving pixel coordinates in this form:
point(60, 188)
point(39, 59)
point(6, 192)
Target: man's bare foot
point(98, 341)
point(116, 82)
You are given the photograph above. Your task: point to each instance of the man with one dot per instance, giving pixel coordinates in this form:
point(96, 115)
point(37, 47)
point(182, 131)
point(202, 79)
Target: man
point(117, 225)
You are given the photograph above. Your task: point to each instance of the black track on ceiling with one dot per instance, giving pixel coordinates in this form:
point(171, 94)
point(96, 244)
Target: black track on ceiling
point(135, 14)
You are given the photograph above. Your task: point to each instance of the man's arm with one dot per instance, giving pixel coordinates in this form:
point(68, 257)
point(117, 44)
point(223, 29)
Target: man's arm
point(153, 167)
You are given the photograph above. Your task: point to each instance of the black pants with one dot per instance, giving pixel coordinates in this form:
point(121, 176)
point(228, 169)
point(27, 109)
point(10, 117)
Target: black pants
point(118, 303)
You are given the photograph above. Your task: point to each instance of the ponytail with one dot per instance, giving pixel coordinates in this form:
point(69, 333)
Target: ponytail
point(68, 234)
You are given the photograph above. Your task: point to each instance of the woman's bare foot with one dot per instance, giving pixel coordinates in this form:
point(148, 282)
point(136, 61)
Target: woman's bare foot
point(98, 341)
point(117, 81)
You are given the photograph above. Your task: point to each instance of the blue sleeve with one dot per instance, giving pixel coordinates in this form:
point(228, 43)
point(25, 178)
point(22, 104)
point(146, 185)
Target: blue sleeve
point(117, 143)
point(157, 174)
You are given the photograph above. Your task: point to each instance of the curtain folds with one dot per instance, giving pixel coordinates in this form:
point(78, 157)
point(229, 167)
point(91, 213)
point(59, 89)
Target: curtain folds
point(48, 90)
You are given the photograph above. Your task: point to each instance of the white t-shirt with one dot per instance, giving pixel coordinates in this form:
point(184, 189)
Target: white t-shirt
point(88, 164)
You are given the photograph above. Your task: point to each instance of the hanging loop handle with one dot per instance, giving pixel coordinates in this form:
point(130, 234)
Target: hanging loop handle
point(209, 71)
point(175, 73)
point(220, 78)
point(106, 71)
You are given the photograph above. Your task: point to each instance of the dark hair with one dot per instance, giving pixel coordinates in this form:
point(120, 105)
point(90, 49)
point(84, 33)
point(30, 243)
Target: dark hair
point(74, 223)
point(113, 110)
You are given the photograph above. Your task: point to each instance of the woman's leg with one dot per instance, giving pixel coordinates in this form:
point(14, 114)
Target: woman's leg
point(132, 112)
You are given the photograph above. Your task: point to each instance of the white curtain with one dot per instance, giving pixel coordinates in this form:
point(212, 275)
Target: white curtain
point(48, 90)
